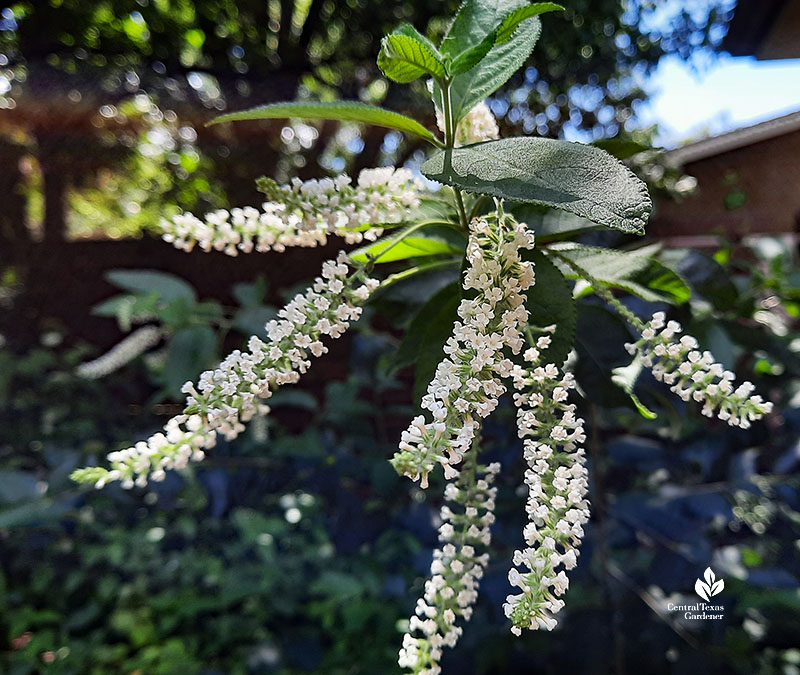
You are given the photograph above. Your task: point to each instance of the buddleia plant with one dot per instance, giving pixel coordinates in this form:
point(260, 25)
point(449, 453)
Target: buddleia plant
point(502, 215)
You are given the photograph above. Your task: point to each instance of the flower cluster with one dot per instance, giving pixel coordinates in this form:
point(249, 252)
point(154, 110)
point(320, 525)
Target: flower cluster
point(232, 394)
point(557, 483)
point(693, 374)
point(479, 124)
point(456, 570)
point(132, 346)
point(467, 382)
point(303, 214)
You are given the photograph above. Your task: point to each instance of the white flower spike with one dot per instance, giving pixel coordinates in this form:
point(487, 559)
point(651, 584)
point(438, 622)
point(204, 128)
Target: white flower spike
point(467, 383)
point(233, 393)
point(557, 483)
point(303, 214)
point(694, 375)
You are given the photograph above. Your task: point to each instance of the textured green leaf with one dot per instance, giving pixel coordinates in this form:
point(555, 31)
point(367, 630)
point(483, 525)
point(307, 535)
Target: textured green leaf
point(467, 59)
point(636, 272)
point(403, 58)
point(512, 21)
point(342, 111)
point(475, 20)
point(549, 302)
point(410, 31)
point(605, 264)
point(573, 177)
point(166, 286)
point(501, 34)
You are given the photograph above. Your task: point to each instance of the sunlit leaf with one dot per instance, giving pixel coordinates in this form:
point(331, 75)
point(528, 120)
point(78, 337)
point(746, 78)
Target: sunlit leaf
point(343, 111)
point(574, 177)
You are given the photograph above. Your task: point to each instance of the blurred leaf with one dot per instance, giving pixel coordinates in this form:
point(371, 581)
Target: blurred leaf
point(573, 177)
point(253, 320)
point(621, 148)
point(704, 274)
point(251, 294)
point(16, 486)
point(636, 271)
point(167, 286)
point(191, 350)
point(599, 341)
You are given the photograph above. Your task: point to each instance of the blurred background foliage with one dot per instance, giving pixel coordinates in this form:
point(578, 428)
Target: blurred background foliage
point(107, 100)
point(297, 549)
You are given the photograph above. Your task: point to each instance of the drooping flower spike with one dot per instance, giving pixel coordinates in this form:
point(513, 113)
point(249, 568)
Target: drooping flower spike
point(227, 397)
point(695, 375)
point(303, 214)
point(467, 384)
point(133, 345)
point(456, 570)
point(557, 483)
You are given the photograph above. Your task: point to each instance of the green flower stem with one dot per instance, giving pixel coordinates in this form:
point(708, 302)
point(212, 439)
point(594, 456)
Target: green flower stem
point(603, 290)
point(449, 141)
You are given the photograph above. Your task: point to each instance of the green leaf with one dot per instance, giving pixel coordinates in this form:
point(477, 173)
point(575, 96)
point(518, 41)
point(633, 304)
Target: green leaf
point(467, 59)
point(577, 178)
point(705, 275)
point(250, 294)
point(253, 320)
point(475, 20)
point(403, 245)
point(418, 270)
point(625, 378)
point(548, 224)
point(166, 286)
point(500, 35)
point(549, 302)
point(599, 342)
point(403, 58)
point(409, 30)
point(604, 264)
point(431, 346)
point(658, 283)
point(438, 308)
point(342, 111)
point(191, 350)
point(621, 148)
point(636, 271)
point(511, 22)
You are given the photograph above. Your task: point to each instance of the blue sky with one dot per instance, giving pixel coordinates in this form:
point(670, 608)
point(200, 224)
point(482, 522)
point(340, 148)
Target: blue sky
point(729, 93)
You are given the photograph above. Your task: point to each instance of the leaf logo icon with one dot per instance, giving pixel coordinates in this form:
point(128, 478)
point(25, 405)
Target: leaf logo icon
point(710, 587)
